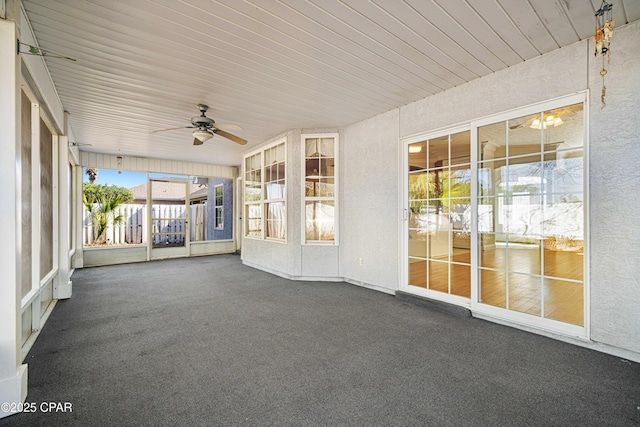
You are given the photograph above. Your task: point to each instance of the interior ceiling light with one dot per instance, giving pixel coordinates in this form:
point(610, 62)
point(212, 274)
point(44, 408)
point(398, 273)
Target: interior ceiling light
point(201, 135)
point(548, 121)
point(415, 148)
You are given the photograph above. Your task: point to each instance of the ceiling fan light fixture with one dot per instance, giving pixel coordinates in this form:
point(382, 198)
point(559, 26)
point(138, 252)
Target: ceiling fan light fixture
point(202, 135)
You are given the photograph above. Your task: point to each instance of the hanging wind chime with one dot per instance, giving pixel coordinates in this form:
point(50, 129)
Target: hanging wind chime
point(604, 31)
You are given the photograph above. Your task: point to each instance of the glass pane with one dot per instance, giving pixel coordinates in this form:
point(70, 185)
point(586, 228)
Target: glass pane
point(280, 156)
point(564, 172)
point(276, 219)
point(312, 168)
point(418, 186)
point(564, 301)
point(319, 223)
point(523, 257)
point(563, 259)
point(268, 158)
point(312, 147)
point(418, 156)
point(417, 243)
point(327, 145)
point(567, 130)
point(525, 135)
point(461, 280)
point(438, 276)
point(438, 183)
point(493, 251)
point(439, 152)
point(325, 187)
point(461, 248)
point(268, 176)
point(418, 273)
point(281, 170)
point(460, 214)
point(327, 166)
point(275, 190)
point(253, 220)
point(493, 288)
point(491, 178)
point(486, 217)
point(459, 185)
point(460, 148)
point(524, 217)
point(524, 293)
point(493, 141)
point(439, 228)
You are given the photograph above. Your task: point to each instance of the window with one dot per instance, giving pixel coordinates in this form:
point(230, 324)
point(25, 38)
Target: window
point(265, 192)
point(320, 188)
point(219, 207)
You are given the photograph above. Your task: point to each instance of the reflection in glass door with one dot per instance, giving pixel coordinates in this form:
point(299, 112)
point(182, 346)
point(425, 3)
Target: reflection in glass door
point(169, 218)
point(439, 184)
point(530, 214)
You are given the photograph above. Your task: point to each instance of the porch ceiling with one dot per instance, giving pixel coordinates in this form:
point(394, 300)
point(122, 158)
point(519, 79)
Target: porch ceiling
point(273, 65)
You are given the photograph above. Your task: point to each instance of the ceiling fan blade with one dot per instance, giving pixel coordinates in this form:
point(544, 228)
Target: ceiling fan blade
point(233, 138)
point(165, 130)
point(196, 141)
point(227, 126)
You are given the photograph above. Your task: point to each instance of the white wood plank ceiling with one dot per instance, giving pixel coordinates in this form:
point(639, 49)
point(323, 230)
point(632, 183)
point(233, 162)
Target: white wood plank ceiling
point(274, 65)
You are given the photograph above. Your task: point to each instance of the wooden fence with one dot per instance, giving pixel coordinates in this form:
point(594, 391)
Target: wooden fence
point(134, 228)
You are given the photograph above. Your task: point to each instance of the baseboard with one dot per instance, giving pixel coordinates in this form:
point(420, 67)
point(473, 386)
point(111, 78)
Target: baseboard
point(13, 392)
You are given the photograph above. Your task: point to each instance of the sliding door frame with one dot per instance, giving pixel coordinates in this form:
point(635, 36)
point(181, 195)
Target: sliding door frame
point(500, 315)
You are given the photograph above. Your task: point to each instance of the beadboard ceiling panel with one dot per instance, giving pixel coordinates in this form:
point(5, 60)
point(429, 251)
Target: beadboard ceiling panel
point(273, 65)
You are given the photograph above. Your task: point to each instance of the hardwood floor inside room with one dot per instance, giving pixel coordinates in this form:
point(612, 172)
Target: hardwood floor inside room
point(535, 279)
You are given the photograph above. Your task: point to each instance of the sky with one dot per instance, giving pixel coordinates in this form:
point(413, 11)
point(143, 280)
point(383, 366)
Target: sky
point(124, 179)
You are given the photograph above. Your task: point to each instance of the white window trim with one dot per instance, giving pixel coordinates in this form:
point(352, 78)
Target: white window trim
point(217, 207)
point(263, 201)
point(336, 173)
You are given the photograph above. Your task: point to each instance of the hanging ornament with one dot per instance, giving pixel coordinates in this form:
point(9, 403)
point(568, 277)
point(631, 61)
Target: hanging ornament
point(602, 37)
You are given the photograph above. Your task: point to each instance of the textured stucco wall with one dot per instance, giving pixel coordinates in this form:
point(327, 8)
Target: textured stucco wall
point(614, 200)
point(369, 201)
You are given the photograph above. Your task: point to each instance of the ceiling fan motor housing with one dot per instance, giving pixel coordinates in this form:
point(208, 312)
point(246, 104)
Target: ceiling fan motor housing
point(202, 121)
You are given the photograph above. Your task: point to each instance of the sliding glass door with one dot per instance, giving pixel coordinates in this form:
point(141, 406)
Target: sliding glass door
point(494, 216)
point(530, 214)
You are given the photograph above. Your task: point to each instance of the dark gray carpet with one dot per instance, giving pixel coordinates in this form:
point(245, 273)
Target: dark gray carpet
point(207, 341)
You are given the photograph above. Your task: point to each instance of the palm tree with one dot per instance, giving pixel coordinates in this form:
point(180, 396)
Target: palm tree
point(92, 173)
point(103, 213)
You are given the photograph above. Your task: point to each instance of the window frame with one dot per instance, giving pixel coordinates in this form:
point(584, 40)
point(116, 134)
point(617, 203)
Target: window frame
point(304, 198)
point(264, 200)
point(218, 207)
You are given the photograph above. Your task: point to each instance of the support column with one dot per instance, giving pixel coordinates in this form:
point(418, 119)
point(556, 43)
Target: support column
point(62, 285)
point(13, 375)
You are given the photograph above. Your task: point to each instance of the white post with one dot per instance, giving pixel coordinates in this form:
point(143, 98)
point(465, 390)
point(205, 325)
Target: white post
point(13, 375)
point(62, 284)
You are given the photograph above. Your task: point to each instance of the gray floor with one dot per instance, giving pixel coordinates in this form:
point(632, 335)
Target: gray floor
point(207, 341)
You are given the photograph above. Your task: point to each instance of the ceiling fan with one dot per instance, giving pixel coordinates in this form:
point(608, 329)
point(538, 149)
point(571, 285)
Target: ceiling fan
point(206, 128)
